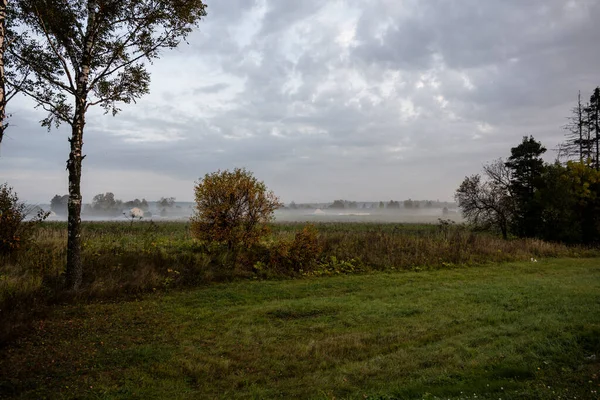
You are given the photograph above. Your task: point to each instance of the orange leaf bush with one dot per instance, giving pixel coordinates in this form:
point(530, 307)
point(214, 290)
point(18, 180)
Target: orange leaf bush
point(232, 207)
point(298, 255)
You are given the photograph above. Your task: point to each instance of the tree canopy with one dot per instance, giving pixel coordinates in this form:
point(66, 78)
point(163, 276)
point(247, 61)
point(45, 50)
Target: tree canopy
point(83, 53)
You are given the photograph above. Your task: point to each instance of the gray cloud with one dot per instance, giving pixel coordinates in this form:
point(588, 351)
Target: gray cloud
point(367, 100)
point(215, 88)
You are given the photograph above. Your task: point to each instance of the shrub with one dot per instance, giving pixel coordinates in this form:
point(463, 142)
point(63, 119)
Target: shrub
point(232, 208)
point(298, 255)
point(15, 231)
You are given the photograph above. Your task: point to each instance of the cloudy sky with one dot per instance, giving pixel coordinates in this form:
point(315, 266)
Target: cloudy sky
point(357, 99)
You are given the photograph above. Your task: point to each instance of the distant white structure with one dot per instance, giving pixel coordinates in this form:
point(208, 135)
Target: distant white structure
point(135, 213)
point(318, 211)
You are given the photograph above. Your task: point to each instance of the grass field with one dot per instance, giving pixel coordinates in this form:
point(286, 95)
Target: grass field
point(122, 258)
point(511, 331)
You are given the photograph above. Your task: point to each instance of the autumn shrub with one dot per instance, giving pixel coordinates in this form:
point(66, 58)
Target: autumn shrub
point(298, 255)
point(232, 207)
point(15, 230)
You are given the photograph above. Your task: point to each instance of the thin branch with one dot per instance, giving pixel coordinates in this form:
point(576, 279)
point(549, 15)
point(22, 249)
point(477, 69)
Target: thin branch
point(50, 107)
point(16, 88)
point(108, 72)
point(55, 50)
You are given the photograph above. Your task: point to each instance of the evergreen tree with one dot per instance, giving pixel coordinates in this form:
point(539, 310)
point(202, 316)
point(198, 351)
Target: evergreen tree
point(526, 166)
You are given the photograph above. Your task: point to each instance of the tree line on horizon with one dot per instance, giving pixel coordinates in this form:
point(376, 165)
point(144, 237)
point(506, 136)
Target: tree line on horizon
point(341, 204)
point(105, 204)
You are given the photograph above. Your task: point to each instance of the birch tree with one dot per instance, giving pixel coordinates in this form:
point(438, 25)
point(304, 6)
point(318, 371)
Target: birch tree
point(86, 53)
point(12, 79)
point(3, 43)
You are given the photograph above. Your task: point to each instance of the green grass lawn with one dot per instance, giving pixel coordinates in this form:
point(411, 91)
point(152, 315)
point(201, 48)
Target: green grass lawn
point(520, 330)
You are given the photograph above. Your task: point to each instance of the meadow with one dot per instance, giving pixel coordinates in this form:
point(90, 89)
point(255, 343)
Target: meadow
point(511, 331)
point(381, 309)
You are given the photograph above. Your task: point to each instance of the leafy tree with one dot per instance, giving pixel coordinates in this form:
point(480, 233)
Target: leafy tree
point(166, 202)
point(527, 167)
point(104, 202)
point(559, 207)
point(569, 198)
point(487, 204)
point(12, 79)
point(58, 204)
point(232, 207)
point(393, 204)
point(15, 231)
point(338, 204)
point(585, 184)
point(12, 76)
point(409, 204)
point(136, 203)
point(3, 44)
point(83, 53)
point(381, 205)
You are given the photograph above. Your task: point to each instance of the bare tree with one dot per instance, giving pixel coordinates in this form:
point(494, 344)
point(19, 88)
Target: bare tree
point(578, 143)
point(83, 53)
point(488, 204)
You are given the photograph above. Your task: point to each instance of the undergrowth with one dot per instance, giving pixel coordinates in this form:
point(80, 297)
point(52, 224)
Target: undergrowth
point(127, 259)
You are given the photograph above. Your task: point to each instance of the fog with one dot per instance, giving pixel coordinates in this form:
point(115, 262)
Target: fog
point(182, 211)
point(359, 215)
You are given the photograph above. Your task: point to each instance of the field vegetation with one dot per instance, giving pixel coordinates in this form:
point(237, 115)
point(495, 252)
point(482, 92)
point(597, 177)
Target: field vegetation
point(132, 258)
point(232, 305)
point(512, 331)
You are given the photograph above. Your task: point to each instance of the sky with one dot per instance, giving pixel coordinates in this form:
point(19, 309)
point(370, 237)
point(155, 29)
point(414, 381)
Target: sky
point(363, 100)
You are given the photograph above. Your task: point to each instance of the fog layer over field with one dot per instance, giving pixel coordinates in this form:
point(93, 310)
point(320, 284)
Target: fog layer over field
point(359, 215)
point(183, 211)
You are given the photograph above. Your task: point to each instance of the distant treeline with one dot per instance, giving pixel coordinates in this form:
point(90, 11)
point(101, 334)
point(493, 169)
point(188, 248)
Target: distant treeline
point(105, 204)
point(374, 205)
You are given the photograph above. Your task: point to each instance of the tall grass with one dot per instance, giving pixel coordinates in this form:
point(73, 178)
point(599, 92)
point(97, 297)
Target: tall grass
point(128, 258)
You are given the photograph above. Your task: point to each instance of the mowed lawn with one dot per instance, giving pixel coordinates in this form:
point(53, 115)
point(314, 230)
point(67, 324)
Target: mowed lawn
point(510, 331)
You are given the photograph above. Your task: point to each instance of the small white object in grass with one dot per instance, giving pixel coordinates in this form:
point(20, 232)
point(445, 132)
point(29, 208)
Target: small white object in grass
point(533, 259)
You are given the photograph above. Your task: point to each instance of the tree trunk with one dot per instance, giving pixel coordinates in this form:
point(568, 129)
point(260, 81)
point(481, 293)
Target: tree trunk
point(504, 229)
point(597, 145)
point(3, 5)
point(597, 128)
point(580, 126)
point(74, 263)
